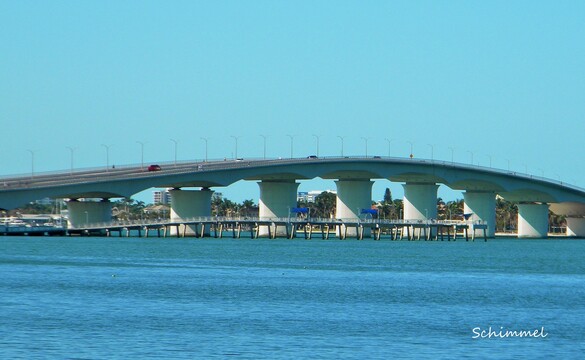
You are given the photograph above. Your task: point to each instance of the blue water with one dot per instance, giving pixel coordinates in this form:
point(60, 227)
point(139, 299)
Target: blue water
point(120, 298)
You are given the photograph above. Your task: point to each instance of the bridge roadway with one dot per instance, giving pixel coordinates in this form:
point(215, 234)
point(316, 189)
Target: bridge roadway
point(278, 181)
point(206, 226)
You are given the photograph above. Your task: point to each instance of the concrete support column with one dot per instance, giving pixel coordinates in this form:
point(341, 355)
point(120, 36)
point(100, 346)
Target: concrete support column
point(352, 197)
point(277, 198)
point(532, 220)
point(88, 212)
point(482, 206)
point(576, 226)
point(186, 204)
point(420, 201)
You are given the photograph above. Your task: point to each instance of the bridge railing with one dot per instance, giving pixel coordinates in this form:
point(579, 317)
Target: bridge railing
point(288, 220)
point(71, 176)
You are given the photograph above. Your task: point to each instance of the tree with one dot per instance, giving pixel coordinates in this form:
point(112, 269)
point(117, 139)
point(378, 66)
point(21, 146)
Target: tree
point(248, 208)
point(506, 215)
point(387, 196)
point(453, 210)
point(397, 209)
point(325, 205)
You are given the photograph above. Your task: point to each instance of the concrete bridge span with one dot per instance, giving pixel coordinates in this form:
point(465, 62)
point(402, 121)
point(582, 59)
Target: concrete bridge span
point(278, 180)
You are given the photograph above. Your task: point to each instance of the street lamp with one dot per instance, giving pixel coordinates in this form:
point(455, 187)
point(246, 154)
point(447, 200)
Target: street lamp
point(141, 155)
point(264, 138)
point(432, 146)
point(71, 149)
point(291, 144)
point(366, 141)
point(176, 144)
point(471, 153)
point(490, 157)
point(236, 140)
point(317, 138)
point(411, 146)
point(107, 156)
point(205, 139)
point(452, 152)
point(341, 138)
point(32, 163)
point(389, 141)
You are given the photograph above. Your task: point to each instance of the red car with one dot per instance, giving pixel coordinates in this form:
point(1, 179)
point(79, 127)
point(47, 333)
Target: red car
point(154, 168)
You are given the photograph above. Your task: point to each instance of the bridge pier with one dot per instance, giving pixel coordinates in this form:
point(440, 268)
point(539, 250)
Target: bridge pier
point(277, 198)
point(482, 206)
point(82, 213)
point(532, 220)
point(420, 202)
point(352, 197)
point(576, 226)
point(187, 204)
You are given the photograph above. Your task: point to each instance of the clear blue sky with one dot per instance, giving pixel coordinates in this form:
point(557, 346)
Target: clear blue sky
point(499, 79)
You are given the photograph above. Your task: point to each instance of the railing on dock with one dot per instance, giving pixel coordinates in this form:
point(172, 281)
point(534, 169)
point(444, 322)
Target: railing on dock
point(215, 226)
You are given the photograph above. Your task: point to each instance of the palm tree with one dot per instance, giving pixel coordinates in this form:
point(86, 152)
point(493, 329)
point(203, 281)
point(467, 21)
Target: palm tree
point(506, 215)
point(454, 210)
point(247, 207)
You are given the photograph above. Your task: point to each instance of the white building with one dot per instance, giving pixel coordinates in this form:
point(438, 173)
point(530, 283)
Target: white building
point(309, 196)
point(161, 197)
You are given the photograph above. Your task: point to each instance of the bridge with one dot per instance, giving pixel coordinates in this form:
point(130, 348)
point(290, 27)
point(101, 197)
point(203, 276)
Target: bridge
point(278, 182)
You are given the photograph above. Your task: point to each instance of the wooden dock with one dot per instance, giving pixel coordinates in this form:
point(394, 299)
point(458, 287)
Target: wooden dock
point(218, 227)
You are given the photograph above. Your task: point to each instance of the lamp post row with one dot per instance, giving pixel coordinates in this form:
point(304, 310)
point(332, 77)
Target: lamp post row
point(264, 138)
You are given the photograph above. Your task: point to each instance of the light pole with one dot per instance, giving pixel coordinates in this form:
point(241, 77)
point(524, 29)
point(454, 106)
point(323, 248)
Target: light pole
point(490, 157)
point(432, 146)
point(411, 146)
point(291, 144)
point(71, 149)
point(452, 152)
point(317, 138)
point(32, 163)
point(341, 138)
point(264, 138)
point(205, 139)
point(366, 141)
point(471, 153)
point(389, 141)
point(176, 144)
point(236, 140)
point(107, 147)
point(141, 155)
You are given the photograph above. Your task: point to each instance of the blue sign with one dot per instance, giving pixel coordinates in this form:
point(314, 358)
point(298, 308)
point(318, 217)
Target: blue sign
point(300, 210)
